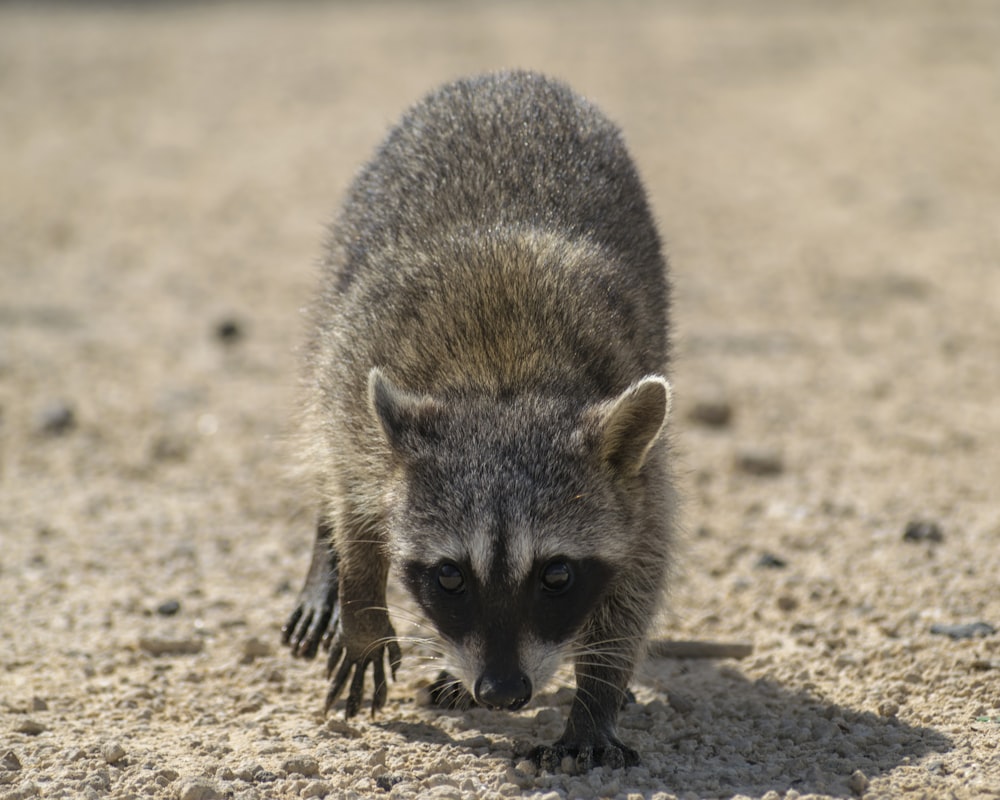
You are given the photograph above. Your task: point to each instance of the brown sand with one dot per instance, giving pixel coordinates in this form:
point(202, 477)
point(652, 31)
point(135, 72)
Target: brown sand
point(828, 178)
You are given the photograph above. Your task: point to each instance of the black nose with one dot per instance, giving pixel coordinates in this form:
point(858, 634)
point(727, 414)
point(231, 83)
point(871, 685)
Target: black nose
point(509, 692)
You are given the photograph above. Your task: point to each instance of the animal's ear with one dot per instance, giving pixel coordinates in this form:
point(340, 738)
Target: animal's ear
point(407, 418)
point(627, 427)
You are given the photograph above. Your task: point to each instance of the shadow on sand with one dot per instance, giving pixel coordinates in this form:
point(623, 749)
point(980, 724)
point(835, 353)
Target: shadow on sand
point(733, 736)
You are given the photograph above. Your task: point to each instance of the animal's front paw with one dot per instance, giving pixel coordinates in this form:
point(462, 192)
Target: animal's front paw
point(349, 659)
point(610, 753)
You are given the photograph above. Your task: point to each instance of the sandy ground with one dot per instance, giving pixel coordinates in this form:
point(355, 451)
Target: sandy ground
point(828, 178)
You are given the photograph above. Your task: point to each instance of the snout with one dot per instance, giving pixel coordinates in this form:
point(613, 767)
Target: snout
point(503, 692)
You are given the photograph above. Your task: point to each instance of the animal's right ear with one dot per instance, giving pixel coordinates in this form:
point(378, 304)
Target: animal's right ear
point(407, 419)
point(627, 427)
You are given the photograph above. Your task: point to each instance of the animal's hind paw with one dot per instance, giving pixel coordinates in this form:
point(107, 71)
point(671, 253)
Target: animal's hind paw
point(311, 624)
point(316, 617)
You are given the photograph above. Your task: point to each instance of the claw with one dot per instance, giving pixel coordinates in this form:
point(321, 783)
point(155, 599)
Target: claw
point(585, 759)
point(381, 691)
point(331, 698)
point(549, 757)
point(614, 756)
point(288, 629)
point(395, 657)
point(336, 651)
point(307, 628)
point(338, 683)
point(357, 691)
point(310, 643)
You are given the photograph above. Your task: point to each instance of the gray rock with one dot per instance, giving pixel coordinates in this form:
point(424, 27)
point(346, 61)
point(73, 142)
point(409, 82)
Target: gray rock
point(969, 630)
point(761, 461)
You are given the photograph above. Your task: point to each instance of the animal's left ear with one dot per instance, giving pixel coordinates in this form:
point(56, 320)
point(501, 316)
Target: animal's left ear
point(407, 419)
point(628, 426)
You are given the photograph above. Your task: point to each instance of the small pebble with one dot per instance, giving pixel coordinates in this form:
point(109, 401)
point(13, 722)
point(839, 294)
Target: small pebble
point(168, 608)
point(527, 767)
point(30, 727)
point(858, 782)
point(317, 789)
point(112, 752)
point(341, 728)
point(922, 530)
point(715, 412)
point(247, 770)
point(157, 646)
point(387, 780)
point(229, 331)
point(255, 648)
point(303, 765)
point(771, 561)
point(680, 702)
point(10, 761)
point(787, 602)
point(969, 630)
point(197, 789)
point(935, 766)
point(39, 704)
point(56, 419)
point(888, 708)
point(762, 461)
point(169, 447)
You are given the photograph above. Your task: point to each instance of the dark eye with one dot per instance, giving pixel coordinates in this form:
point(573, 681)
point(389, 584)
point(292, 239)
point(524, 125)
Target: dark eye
point(557, 577)
point(450, 578)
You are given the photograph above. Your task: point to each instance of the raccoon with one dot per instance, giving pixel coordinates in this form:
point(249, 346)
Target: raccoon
point(486, 400)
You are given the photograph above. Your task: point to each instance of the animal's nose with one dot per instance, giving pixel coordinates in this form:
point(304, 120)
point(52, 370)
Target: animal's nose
point(508, 692)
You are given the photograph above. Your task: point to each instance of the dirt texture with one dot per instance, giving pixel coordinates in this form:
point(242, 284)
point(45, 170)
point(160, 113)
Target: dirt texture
point(827, 176)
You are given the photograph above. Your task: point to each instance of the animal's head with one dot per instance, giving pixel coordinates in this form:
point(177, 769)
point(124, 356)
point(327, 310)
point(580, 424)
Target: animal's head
point(509, 521)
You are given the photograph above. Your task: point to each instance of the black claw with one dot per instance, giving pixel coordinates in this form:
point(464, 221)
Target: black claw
point(310, 644)
point(342, 666)
point(331, 698)
point(356, 694)
point(548, 758)
point(338, 683)
point(395, 657)
point(288, 629)
point(336, 651)
point(327, 641)
point(613, 756)
point(302, 647)
point(630, 757)
point(381, 692)
point(306, 629)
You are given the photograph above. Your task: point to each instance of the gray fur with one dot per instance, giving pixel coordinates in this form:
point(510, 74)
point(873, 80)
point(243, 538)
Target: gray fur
point(485, 385)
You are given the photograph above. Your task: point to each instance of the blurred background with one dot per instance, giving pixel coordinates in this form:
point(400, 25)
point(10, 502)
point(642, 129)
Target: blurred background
point(826, 175)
